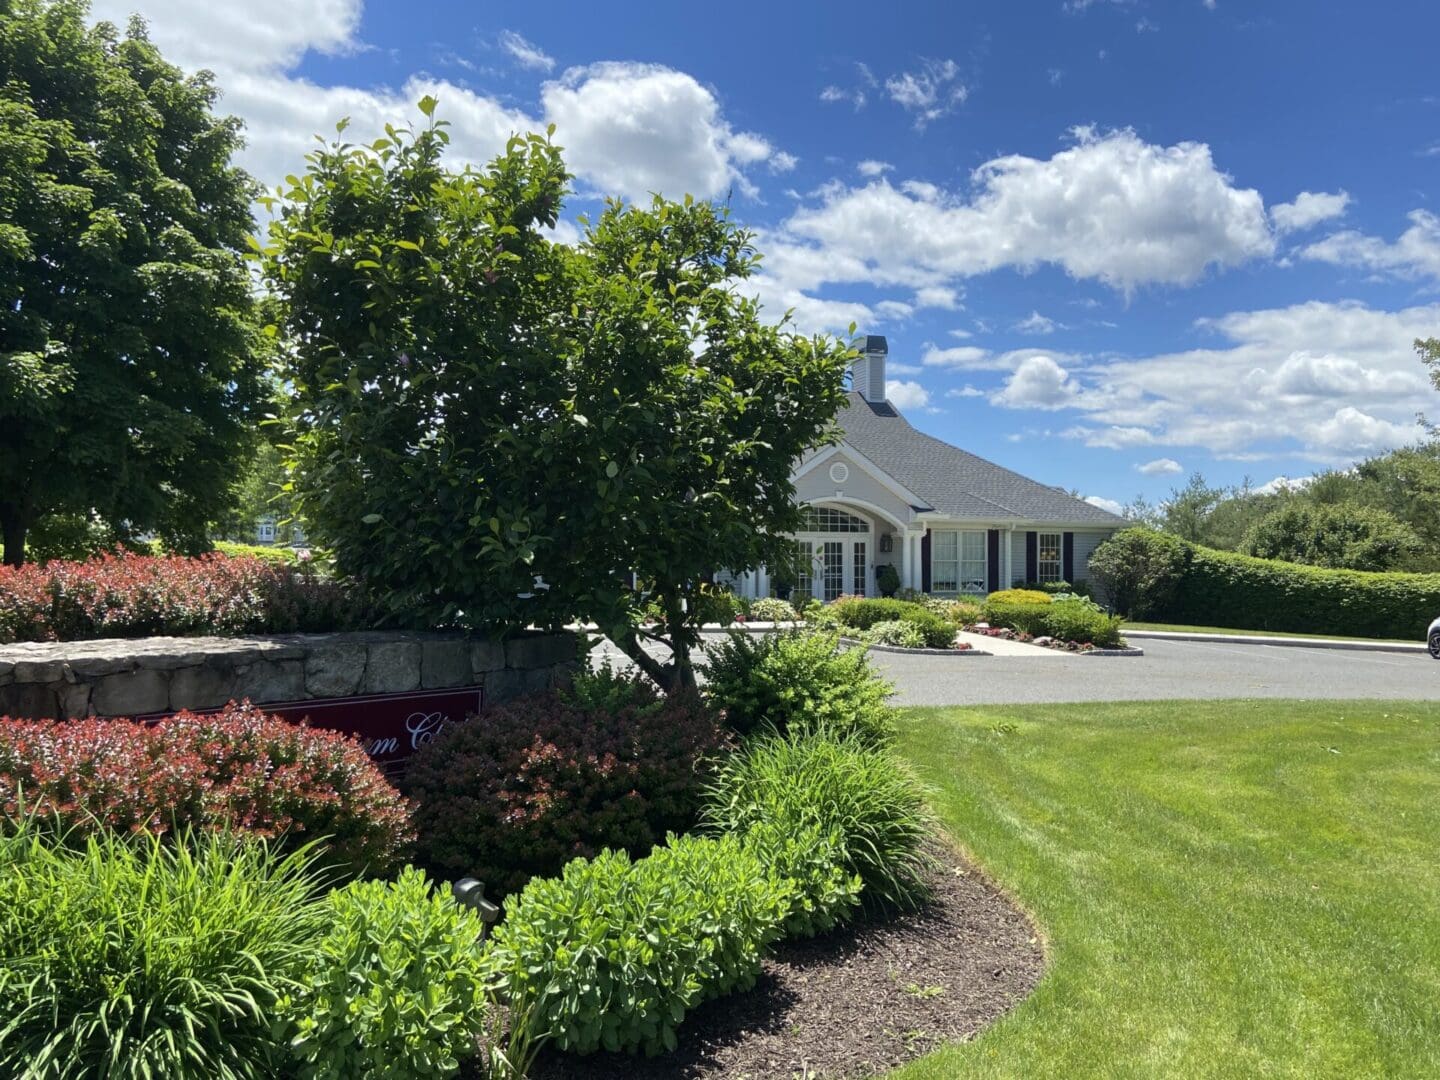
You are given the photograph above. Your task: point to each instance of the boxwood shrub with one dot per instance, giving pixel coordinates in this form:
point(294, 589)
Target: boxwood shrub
point(861, 613)
point(1069, 618)
point(613, 953)
point(1189, 584)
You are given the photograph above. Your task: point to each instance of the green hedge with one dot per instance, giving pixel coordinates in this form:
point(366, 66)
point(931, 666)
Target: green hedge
point(860, 613)
point(1221, 588)
point(1071, 619)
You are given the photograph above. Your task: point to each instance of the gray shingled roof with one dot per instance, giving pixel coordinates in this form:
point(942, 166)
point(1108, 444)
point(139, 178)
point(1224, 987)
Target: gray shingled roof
point(953, 481)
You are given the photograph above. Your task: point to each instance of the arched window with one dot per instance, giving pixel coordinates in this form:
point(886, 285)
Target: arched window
point(826, 519)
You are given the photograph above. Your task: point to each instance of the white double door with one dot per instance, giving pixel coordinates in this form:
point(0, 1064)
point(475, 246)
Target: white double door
point(832, 566)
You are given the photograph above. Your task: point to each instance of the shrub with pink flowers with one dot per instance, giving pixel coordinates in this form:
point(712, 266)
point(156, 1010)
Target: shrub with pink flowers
point(128, 595)
point(522, 789)
point(235, 769)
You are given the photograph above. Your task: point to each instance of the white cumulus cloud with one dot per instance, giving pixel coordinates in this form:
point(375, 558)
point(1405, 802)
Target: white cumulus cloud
point(1324, 381)
point(1105, 504)
point(628, 129)
point(1309, 209)
point(1111, 207)
point(1160, 467)
point(1414, 254)
point(1038, 383)
point(907, 394)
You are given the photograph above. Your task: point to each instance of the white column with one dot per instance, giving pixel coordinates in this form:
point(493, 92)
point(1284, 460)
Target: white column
point(912, 560)
point(762, 582)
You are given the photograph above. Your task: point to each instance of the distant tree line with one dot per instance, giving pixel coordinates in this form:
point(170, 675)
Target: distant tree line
point(1381, 514)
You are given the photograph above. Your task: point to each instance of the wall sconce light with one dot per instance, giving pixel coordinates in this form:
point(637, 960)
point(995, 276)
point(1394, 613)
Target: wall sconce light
point(887, 542)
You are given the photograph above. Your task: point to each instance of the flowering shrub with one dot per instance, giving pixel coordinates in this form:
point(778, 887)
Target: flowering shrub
point(234, 769)
point(897, 632)
point(526, 787)
point(127, 595)
point(771, 609)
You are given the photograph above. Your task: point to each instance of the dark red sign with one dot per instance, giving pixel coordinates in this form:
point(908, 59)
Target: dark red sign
point(389, 726)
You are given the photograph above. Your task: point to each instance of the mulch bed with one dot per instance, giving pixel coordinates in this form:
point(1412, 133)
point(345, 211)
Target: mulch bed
point(855, 1002)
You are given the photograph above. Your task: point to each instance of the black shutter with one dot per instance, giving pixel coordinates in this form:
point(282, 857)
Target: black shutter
point(1032, 557)
point(1067, 557)
point(925, 562)
point(992, 567)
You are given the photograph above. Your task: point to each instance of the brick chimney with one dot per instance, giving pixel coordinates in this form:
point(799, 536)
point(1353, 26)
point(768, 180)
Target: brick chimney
point(867, 374)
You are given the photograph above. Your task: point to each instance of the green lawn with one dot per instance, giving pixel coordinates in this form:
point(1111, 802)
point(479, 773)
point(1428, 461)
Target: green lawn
point(1226, 888)
point(1261, 633)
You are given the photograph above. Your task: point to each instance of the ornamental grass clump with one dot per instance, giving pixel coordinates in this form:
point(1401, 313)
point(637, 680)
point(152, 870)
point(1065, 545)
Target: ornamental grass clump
point(237, 769)
point(798, 681)
point(130, 957)
point(613, 953)
point(395, 986)
point(862, 795)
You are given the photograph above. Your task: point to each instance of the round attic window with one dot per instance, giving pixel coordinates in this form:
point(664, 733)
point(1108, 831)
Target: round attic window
point(839, 472)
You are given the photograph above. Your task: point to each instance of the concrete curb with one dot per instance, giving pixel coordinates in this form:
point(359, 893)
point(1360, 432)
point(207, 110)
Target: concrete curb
point(1113, 652)
point(1279, 642)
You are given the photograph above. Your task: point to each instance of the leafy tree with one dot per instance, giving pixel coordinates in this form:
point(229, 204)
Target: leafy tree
point(259, 493)
point(495, 429)
point(1188, 508)
point(1346, 537)
point(128, 354)
point(1138, 570)
point(1428, 350)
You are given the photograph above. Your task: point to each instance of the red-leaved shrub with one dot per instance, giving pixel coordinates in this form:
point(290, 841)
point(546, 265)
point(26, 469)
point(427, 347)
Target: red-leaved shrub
point(237, 768)
point(127, 595)
point(525, 787)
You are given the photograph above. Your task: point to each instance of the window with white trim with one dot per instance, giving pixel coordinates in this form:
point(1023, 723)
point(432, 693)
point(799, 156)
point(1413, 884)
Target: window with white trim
point(972, 562)
point(1048, 561)
point(945, 561)
point(826, 519)
point(957, 561)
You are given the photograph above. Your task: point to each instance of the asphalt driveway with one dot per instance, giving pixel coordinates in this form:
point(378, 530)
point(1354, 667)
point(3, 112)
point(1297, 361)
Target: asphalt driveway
point(1169, 669)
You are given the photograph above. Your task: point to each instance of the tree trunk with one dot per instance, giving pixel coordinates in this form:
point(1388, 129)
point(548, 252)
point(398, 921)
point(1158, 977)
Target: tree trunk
point(682, 671)
point(13, 528)
point(675, 675)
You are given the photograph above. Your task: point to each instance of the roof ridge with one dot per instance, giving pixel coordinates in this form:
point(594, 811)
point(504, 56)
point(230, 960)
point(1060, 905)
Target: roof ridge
point(929, 465)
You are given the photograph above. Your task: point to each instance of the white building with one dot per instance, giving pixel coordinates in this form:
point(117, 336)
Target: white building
point(949, 522)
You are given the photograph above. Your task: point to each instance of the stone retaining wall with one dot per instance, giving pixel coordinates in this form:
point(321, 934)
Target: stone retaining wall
point(129, 677)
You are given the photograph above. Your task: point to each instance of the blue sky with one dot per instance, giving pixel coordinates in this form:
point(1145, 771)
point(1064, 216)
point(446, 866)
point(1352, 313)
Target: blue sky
point(1110, 242)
